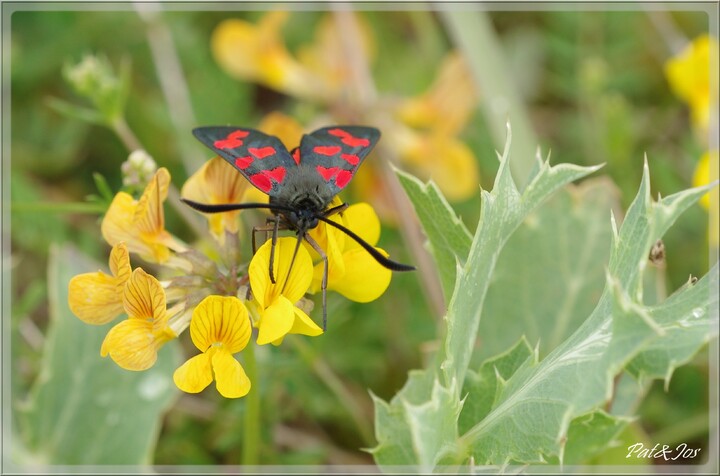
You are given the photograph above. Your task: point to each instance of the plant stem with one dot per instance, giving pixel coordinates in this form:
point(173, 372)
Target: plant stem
point(251, 428)
point(337, 387)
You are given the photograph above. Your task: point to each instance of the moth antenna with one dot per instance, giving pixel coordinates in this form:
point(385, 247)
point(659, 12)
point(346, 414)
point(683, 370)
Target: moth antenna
point(384, 261)
point(228, 207)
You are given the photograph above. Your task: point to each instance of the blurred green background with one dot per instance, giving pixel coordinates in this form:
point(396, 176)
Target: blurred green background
point(591, 85)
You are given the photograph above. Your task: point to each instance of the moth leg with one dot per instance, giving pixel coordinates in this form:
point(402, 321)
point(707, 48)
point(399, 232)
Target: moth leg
point(338, 209)
point(275, 229)
point(273, 225)
point(292, 261)
point(323, 285)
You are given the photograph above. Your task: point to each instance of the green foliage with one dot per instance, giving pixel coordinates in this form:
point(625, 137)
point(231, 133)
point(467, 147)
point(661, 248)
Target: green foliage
point(84, 409)
point(550, 409)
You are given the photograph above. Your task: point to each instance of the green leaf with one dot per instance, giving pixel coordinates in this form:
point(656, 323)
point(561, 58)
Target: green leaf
point(503, 210)
point(552, 409)
point(449, 239)
point(562, 250)
point(483, 387)
point(84, 409)
point(589, 435)
point(76, 112)
point(577, 377)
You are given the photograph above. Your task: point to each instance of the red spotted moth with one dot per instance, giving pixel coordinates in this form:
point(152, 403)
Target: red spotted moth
point(301, 183)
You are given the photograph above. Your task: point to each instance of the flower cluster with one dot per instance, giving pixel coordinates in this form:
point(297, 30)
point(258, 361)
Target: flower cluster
point(217, 295)
point(421, 131)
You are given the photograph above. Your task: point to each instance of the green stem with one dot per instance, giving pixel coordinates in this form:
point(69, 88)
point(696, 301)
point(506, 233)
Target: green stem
point(336, 386)
point(55, 207)
point(251, 429)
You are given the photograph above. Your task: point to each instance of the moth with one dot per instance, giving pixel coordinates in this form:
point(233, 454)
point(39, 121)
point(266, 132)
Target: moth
point(300, 183)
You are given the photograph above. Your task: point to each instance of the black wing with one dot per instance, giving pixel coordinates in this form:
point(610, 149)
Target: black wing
point(261, 158)
point(336, 152)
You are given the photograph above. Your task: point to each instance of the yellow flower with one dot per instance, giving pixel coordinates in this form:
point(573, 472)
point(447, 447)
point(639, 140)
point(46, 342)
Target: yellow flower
point(426, 135)
point(707, 172)
point(215, 183)
point(689, 76)
point(96, 298)
point(446, 160)
point(220, 327)
point(141, 223)
point(327, 56)
point(282, 126)
point(133, 343)
point(352, 271)
point(276, 302)
point(256, 52)
point(447, 105)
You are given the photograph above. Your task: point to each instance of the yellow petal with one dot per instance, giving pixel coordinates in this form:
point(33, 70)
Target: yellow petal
point(276, 321)
point(194, 375)
point(689, 76)
point(220, 320)
point(149, 214)
point(304, 325)
point(230, 378)
point(117, 225)
point(131, 344)
point(94, 299)
point(284, 127)
point(327, 56)
point(706, 172)
point(362, 219)
point(365, 279)
point(140, 224)
point(451, 164)
point(703, 174)
point(144, 298)
point(257, 53)
point(120, 264)
point(291, 283)
point(217, 182)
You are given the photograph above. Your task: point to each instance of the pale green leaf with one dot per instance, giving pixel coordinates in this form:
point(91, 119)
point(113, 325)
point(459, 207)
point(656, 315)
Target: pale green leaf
point(552, 270)
point(551, 410)
point(503, 210)
point(448, 238)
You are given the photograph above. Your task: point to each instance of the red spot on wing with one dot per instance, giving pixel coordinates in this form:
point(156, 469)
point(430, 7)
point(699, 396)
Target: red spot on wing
point(343, 177)
point(261, 152)
point(350, 158)
point(349, 139)
point(356, 141)
point(327, 172)
point(338, 133)
point(296, 155)
point(277, 174)
point(234, 139)
point(243, 162)
point(327, 149)
point(261, 181)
